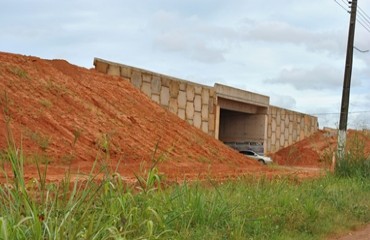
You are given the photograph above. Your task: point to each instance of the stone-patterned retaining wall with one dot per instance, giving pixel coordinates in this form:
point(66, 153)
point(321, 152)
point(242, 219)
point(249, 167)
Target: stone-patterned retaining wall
point(192, 102)
point(197, 104)
point(285, 127)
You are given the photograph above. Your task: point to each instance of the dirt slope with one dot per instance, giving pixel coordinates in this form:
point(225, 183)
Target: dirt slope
point(318, 149)
point(71, 116)
point(360, 234)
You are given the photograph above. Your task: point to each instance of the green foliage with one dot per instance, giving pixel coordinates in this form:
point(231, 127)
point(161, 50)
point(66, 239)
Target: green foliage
point(355, 162)
point(258, 208)
point(95, 207)
point(149, 180)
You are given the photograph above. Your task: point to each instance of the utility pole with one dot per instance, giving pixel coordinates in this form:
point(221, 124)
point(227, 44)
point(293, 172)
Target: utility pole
point(346, 84)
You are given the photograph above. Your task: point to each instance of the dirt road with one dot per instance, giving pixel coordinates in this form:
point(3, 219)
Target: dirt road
point(361, 234)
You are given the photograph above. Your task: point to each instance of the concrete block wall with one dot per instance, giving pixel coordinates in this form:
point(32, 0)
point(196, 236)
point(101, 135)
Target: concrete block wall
point(200, 105)
point(285, 127)
point(192, 102)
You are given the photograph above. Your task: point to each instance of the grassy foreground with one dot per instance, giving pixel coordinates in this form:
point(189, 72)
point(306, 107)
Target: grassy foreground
point(248, 208)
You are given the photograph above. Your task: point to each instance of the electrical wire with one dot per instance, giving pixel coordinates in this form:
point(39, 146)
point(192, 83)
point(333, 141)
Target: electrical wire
point(363, 25)
point(342, 5)
point(312, 114)
point(364, 18)
point(337, 113)
point(348, 3)
point(363, 14)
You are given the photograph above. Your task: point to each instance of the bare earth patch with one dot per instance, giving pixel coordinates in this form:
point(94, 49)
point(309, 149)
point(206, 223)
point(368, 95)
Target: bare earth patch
point(359, 234)
point(72, 117)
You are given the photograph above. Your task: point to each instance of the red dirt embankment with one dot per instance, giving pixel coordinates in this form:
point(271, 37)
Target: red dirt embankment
point(318, 149)
point(72, 116)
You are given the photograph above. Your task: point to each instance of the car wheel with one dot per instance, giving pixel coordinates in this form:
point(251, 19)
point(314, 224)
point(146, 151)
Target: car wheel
point(262, 161)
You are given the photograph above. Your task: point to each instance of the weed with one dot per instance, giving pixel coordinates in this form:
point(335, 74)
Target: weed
point(37, 158)
point(149, 180)
point(46, 103)
point(104, 143)
point(203, 159)
point(76, 136)
point(55, 88)
point(86, 206)
point(19, 72)
point(41, 140)
point(5, 102)
point(355, 162)
point(3, 156)
point(67, 159)
point(326, 156)
point(248, 208)
point(366, 132)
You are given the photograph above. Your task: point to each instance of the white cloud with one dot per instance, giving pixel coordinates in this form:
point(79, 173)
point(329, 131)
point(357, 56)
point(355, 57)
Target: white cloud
point(191, 45)
point(277, 32)
point(298, 46)
point(320, 77)
point(189, 36)
point(283, 101)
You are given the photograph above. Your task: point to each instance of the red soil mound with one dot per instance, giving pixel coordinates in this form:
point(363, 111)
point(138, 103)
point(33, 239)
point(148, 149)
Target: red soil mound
point(318, 150)
point(71, 116)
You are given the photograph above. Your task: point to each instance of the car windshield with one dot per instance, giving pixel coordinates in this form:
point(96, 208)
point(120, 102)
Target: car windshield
point(249, 153)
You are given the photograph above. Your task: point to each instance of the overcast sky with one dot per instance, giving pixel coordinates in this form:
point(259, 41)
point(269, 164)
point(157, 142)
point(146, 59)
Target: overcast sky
point(291, 50)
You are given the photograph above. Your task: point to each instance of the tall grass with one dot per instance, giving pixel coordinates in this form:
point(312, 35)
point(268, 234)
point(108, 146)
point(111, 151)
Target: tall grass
point(355, 163)
point(88, 207)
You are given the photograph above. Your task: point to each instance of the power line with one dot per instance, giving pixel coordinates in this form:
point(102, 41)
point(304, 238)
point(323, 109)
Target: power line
point(363, 12)
point(336, 113)
point(363, 25)
point(366, 26)
point(364, 15)
point(342, 5)
point(312, 114)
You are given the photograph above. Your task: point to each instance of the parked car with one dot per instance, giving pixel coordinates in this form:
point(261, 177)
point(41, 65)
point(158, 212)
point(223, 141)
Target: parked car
point(259, 158)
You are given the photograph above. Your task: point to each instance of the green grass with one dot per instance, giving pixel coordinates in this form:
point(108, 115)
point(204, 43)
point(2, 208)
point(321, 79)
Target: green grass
point(248, 208)
point(356, 162)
